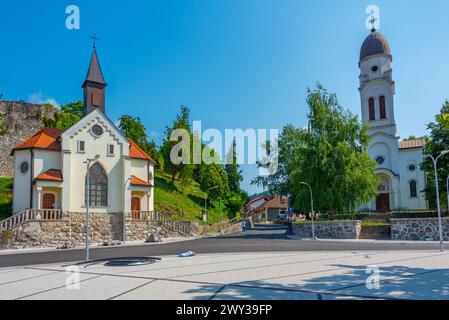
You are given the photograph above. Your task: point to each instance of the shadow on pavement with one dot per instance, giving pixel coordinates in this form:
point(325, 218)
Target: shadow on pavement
point(396, 282)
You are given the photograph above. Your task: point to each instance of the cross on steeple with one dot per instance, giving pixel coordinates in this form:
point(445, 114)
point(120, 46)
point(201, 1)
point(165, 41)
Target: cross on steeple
point(373, 23)
point(95, 39)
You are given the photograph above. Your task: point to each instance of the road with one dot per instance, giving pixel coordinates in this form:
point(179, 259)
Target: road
point(260, 239)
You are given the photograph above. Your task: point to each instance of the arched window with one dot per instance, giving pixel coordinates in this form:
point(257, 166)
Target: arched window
point(383, 109)
point(98, 186)
point(413, 189)
point(372, 111)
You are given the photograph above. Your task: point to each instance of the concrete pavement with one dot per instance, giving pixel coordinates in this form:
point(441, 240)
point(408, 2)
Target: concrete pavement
point(248, 276)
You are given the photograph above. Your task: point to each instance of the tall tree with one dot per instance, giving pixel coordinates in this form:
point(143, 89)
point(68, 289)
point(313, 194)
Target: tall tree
point(178, 170)
point(439, 141)
point(232, 168)
point(329, 155)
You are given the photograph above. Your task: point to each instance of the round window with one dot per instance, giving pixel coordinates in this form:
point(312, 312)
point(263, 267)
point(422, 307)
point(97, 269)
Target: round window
point(412, 167)
point(97, 130)
point(380, 160)
point(374, 68)
point(24, 167)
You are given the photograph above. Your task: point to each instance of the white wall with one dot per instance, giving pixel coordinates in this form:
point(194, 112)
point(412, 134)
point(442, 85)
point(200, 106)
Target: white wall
point(22, 182)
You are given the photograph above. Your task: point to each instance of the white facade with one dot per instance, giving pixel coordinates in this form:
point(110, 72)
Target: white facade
point(70, 192)
point(401, 180)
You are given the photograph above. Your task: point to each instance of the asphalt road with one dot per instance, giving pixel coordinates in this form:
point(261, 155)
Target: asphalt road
point(261, 239)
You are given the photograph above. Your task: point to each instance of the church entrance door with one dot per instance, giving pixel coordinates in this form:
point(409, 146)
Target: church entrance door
point(383, 202)
point(48, 201)
point(135, 207)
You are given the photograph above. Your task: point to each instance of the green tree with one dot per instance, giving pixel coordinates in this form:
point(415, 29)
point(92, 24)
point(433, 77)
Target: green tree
point(232, 168)
point(329, 155)
point(134, 129)
point(3, 127)
point(69, 115)
point(438, 142)
point(181, 170)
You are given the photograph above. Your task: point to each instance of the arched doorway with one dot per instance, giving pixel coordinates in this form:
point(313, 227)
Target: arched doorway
point(48, 201)
point(383, 196)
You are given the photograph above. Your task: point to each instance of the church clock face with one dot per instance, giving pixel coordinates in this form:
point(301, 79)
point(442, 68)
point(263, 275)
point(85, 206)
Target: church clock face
point(97, 130)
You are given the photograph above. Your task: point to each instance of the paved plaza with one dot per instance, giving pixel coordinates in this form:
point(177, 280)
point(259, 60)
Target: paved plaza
point(248, 276)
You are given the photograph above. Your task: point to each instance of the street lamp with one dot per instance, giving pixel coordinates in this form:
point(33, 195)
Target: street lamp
point(87, 163)
point(435, 163)
point(311, 204)
point(205, 204)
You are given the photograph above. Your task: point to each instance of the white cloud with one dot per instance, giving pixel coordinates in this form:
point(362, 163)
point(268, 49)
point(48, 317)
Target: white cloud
point(40, 98)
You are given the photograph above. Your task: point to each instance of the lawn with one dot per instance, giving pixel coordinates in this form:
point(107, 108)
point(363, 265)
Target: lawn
point(5, 198)
point(183, 202)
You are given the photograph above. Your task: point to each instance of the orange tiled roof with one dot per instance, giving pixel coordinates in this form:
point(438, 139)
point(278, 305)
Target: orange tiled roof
point(412, 144)
point(137, 153)
point(276, 202)
point(139, 182)
point(44, 139)
point(51, 175)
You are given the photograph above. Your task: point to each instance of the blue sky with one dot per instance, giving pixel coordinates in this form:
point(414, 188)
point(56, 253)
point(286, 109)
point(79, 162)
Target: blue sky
point(235, 63)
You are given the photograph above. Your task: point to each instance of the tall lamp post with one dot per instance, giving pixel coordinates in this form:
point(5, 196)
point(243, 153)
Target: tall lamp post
point(435, 166)
point(313, 212)
point(205, 205)
point(87, 163)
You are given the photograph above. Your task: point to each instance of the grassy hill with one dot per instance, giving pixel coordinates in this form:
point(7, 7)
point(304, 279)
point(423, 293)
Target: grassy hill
point(5, 197)
point(184, 203)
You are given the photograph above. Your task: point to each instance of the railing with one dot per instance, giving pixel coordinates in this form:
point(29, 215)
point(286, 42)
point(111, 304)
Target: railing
point(223, 225)
point(165, 220)
point(30, 215)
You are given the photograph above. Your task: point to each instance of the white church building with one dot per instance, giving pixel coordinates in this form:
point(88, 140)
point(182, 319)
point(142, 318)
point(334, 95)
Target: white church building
point(401, 180)
point(51, 171)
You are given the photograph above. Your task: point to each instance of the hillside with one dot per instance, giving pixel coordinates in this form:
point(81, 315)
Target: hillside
point(184, 203)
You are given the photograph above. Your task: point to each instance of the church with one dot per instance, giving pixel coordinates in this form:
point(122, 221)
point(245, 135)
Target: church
point(50, 167)
point(401, 179)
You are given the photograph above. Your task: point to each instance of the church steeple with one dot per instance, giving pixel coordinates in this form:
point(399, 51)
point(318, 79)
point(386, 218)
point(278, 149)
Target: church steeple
point(94, 86)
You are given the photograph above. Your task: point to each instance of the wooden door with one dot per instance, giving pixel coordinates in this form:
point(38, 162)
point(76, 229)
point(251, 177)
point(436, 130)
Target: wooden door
point(135, 207)
point(383, 202)
point(48, 201)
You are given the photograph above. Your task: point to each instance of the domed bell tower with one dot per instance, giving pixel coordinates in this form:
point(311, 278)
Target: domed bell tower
point(377, 87)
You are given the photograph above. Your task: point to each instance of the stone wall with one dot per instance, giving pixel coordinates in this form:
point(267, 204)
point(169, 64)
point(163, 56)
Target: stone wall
point(71, 231)
point(22, 120)
point(329, 230)
point(376, 232)
point(418, 229)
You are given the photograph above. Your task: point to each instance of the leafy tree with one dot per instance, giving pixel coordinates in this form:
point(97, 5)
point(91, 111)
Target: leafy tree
point(439, 141)
point(69, 115)
point(134, 129)
point(412, 137)
point(182, 170)
point(329, 155)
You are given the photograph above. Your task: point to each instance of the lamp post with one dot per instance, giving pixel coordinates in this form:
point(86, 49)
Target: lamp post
point(311, 205)
point(205, 204)
point(87, 163)
point(435, 164)
point(124, 213)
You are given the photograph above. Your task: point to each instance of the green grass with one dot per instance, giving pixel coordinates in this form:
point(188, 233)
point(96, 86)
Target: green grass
point(5, 198)
point(375, 224)
point(183, 202)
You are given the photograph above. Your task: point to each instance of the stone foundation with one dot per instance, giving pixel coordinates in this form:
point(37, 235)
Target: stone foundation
point(329, 230)
point(418, 229)
point(104, 227)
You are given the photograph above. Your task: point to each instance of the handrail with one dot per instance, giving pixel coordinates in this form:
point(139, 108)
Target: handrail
point(30, 215)
point(224, 224)
point(164, 219)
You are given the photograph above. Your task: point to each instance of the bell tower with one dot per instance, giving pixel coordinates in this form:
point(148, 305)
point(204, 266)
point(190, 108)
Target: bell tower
point(377, 88)
point(94, 87)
